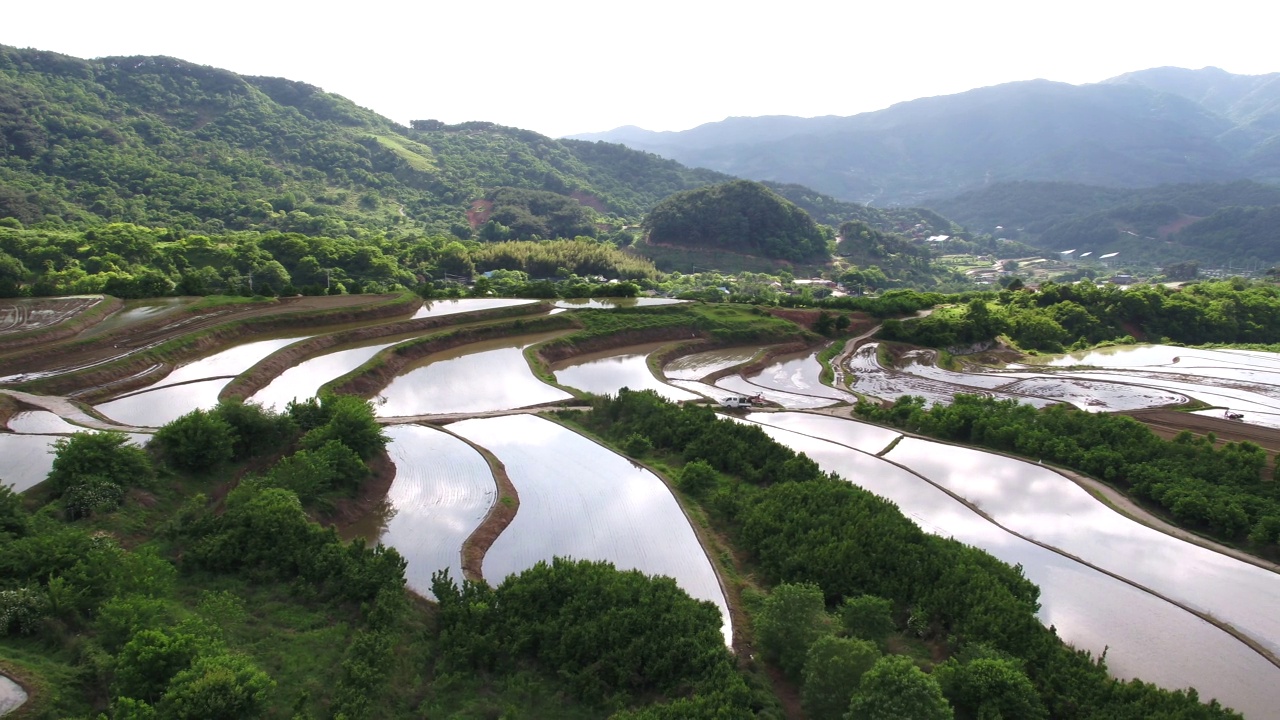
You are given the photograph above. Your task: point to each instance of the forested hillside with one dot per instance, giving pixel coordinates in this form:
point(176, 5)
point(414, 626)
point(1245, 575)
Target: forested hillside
point(160, 141)
point(1211, 222)
point(1139, 130)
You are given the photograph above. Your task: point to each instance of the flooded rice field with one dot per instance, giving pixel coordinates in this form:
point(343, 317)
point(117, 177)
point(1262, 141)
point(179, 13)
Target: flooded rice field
point(438, 308)
point(443, 489)
point(604, 373)
point(1042, 504)
point(581, 500)
point(613, 303)
point(135, 312)
point(12, 696)
point(736, 385)
point(19, 315)
point(699, 365)
point(798, 376)
point(1143, 635)
point(27, 459)
point(489, 375)
point(153, 408)
point(303, 380)
point(41, 422)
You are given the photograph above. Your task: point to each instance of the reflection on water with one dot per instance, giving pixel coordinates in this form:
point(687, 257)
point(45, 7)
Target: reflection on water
point(490, 375)
point(12, 696)
point(304, 379)
point(612, 303)
point(800, 376)
point(232, 361)
point(858, 435)
point(1044, 505)
point(700, 365)
point(32, 422)
point(580, 500)
point(437, 308)
point(443, 489)
point(25, 460)
point(606, 373)
point(154, 408)
point(1143, 635)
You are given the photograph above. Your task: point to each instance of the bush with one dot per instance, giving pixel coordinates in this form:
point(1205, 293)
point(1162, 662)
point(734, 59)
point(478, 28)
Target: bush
point(197, 442)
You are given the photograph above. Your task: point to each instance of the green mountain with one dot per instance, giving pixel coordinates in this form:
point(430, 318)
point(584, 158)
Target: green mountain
point(1144, 129)
point(1219, 223)
point(742, 216)
point(159, 141)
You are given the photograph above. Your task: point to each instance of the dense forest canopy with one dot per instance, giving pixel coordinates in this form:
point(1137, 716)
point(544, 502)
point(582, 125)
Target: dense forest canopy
point(741, 215)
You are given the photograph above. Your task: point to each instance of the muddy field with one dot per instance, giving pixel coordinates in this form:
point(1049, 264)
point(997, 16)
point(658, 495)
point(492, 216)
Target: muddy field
point(1168, 423)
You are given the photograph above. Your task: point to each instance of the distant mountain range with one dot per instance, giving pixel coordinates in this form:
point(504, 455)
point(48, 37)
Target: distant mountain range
point(1159, 126)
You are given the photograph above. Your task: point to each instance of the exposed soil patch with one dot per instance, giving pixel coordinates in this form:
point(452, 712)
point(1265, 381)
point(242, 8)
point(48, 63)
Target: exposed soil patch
point(479, 213)
point(24, 323)
point(1166, 230)
point(1168, 423)
point(590, 201)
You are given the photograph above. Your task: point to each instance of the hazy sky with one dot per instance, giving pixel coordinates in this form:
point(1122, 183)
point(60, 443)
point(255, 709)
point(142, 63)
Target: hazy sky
point(567, 66)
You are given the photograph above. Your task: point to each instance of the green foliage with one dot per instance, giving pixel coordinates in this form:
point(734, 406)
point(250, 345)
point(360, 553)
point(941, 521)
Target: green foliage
point(152, 658)
point(217, 687)
point(351, 422)
point(198, 442)
point(311, 474)
point(255, 430)
point(91, 471)
point(14, 519)
point(894, 688)
point(1218, 490)
point(697, 477)
point(792, 618)
point(741, 215)
point(833, 669)
point(867, 617)
point(989, 688)
point(637, 445)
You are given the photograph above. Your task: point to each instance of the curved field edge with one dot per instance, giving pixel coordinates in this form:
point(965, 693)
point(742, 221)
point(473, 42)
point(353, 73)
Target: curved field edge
point(1226, 627)
point(379, 370)
point(118, 376)
point(718, 552)
point(500, 515)
point(69, 327)
point(269, 368)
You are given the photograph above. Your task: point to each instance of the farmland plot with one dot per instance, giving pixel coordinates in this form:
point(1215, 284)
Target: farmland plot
point(489, 375)
point(1142, 635)
point(858, 435)
point(699, 365)
point(438, 308)
point(799, 376)
point(303, 380)
point(26, 459)
point(442, 490)
point(581, 500)
point(1041, 504)
point(26, 314)
point(41, 422)
point(607, 372)
point(736, 385)
point(613, 303)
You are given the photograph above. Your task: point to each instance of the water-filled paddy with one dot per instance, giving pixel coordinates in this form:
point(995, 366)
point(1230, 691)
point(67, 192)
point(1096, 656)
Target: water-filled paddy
point(135, 312)
point(605, 373)
point(437, 308)
point(1144, 636)
point(12, 696)
point(27, 459)
point(581, 500)
point(442, 490)
point(738, 386)
point(1046, 506)
point(304, 379)
point(700, 365)
point(42, 422)
point(613, 303)
point(799, 376)
point(154, 408)
point(490, 375)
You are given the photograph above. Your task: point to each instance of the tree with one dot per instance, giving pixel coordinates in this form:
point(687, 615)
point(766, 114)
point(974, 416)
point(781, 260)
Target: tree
point(197, 442)
point(867, 617)
point(895, 689)
point(14, 520)
point(697, 477)
point(219, 687)
point(989, 689)
point(151, 658)
point(832, 671)
point(791, 619)
point(351, 421)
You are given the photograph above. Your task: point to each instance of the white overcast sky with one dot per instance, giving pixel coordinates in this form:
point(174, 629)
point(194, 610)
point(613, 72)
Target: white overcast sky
point(567, 66)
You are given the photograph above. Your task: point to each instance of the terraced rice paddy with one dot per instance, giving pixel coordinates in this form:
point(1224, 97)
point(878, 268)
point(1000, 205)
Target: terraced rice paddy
point(613, 303)
point(798, 376)
point(490, 375)
point(304, 379)
point(699, 365)
point(438, 308)
point(41, 422)
point(27, 459)
point(442, 490)
point(1143, 635)
point(581, 500)
point(607, 372)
